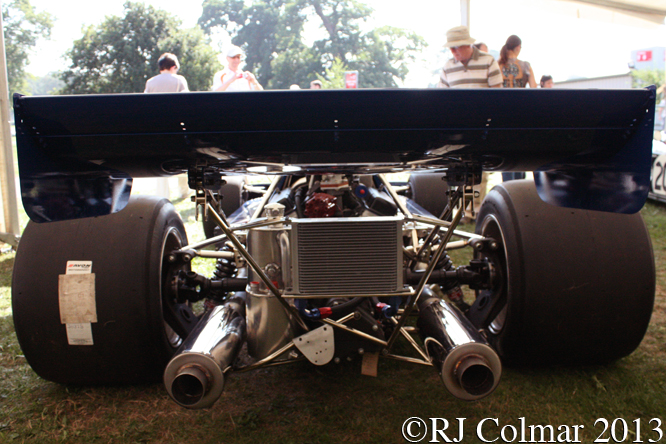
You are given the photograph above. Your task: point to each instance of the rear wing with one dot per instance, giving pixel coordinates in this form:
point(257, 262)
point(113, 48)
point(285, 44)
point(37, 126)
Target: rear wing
point(588, 149)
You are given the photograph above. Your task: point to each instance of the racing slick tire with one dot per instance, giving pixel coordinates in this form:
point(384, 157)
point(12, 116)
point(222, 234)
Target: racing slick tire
point(577, 286)
point(130, 341)
point(429, 191)
point(232, 198)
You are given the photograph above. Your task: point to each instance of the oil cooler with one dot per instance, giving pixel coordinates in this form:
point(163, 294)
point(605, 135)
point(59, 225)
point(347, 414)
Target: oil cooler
point(317, 257)
point(346, 256)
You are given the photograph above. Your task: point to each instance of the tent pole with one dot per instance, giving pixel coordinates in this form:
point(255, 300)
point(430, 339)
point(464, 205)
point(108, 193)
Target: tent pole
point(464, 12)
point(10, 226)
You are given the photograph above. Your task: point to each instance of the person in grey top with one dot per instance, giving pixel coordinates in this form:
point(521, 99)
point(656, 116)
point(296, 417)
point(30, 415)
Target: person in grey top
point(168, 79)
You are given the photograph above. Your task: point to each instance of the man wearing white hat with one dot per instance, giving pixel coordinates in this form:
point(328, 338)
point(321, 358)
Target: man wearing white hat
point(469, 67)
point(232, 78)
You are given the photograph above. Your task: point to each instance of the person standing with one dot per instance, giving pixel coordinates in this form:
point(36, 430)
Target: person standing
point(168, 80)
point(481, 46)
point(546, 81)
point(515, 73)
point(469, 67)
point(232, 78)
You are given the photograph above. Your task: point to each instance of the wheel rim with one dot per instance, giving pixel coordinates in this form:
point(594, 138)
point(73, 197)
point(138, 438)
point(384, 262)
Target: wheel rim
point(172, 241)
point(492, 228)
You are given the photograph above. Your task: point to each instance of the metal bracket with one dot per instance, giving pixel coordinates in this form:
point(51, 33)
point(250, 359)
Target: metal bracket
point(464, 174)
point(318, 345)
point(205, 184)
point(201, 199)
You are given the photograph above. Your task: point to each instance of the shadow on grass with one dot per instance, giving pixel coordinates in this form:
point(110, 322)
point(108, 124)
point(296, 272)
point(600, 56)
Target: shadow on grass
point(302, 403)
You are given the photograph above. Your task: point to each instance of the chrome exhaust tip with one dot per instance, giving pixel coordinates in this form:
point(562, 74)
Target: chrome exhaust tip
point(194, 381)
point(190, 386)
point(471, 371)
point(475, 376)
point(468, 366)
point(194, 377)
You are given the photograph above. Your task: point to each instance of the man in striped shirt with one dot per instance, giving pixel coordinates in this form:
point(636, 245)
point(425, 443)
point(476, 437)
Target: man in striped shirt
point(469, 67)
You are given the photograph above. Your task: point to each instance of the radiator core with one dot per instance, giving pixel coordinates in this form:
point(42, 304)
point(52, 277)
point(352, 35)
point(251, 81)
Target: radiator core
point(351, 256)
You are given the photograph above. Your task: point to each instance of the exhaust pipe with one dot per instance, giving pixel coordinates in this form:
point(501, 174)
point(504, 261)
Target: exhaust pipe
point(194, 377)
point(468, 366)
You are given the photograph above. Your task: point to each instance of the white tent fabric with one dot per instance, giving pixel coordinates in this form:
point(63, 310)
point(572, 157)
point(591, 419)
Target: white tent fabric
point(627, 12)
point(641, 13)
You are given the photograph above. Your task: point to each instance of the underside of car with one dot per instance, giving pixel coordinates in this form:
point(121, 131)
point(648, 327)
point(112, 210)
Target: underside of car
point(332, 257)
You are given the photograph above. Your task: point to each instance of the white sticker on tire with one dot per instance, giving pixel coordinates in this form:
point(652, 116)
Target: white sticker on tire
point(79, 334)
point(76, 293)
point(76, 298)
point(79, 267)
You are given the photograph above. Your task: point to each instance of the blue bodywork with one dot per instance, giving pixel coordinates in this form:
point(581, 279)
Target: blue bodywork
point(589, 149)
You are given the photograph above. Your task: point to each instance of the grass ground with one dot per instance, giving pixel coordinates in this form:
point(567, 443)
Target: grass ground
point(303, 404)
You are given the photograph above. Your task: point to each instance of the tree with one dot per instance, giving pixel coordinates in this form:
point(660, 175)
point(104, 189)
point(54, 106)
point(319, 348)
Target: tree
point(198, 60)
point(334, 76)
point(271, 31)
point(23, 27)
point(119, 55)
point(267, 30)
point(39, 86)
point(645, 77)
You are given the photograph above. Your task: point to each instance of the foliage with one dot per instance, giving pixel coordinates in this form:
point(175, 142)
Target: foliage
point(271, 32)
point(334, 76)
point(119, 55)
point(198, 60)
point(645, 77)
point(39, 86)
point(23, 27)
point(268, 30)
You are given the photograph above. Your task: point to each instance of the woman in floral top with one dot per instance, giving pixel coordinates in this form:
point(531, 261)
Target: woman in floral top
point(516, 73)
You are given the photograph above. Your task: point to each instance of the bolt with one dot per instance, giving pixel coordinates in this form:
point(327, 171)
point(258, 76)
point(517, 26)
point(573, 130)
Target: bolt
point(375, 327)
point(361, 351)
point(171, 258)
point(493, 245)
point(272, 270)
point(357, 315)
point(293, 355)
point(336, 360)
point(385, 352)
point(187, 257)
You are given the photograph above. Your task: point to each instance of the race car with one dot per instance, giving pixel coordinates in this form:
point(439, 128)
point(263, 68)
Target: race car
point(332, 260)
point(658, 183)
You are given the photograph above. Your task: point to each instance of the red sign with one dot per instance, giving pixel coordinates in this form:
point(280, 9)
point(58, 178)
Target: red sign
point(643, 56)
point(351, 79)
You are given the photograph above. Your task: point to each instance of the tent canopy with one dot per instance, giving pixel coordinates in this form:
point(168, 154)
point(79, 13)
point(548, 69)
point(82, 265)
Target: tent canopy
point(639, 13)
point(620, 11)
